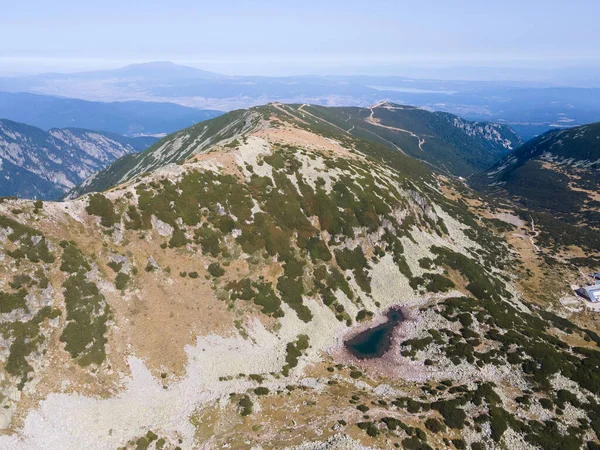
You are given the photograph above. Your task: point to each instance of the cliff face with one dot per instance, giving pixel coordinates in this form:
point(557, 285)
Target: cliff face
point(44, 165)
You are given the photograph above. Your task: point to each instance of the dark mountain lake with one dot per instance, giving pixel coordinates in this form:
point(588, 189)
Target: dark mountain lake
point(376, 341)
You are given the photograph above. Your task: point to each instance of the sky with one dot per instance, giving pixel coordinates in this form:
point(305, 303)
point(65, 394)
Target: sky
point(281, 37)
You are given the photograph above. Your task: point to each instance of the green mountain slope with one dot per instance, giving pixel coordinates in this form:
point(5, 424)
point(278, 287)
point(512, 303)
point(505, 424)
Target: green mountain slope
point(556, 175)
point(445, 142)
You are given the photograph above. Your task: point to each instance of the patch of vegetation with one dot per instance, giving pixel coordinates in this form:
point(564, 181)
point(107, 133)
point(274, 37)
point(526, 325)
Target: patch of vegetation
point(294, 352)
point(87, 310)
point(133, 220)
point(245, 405)
point(432, 282)
point(355, 260)
point(434, 425)
point(115, 266)
point(454, 417)
point(73, 260)
point(216, 270)
point(261, 293)
point(11, 301)
point(121, 281)
point(291, 288)
point(178, 239)
point(318, 250)
point(369, 427)
point(27, 339)
point(31, 243)
point(102, 207)
point(261, 390)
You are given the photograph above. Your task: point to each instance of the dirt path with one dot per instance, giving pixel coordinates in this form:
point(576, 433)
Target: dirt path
point(321, 119)
point(536, 233)
point(371, 119)
point(278, 107)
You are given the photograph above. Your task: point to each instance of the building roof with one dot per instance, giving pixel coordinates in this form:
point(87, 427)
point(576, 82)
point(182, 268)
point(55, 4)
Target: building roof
point(592, 292)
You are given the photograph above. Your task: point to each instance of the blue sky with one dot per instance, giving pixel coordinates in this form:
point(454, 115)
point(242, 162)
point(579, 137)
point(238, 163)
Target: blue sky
point(272, 37)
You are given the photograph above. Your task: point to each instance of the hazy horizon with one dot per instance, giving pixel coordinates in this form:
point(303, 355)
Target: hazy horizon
point(28, 67)
point(271, 38)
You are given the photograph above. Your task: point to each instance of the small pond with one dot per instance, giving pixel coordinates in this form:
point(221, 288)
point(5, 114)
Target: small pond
point(376, 341)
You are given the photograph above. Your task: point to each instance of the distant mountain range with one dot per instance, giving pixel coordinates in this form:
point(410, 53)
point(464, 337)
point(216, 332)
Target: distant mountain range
point(531, 109)
point(445, 142)
point(130, 118)
point(45, 164)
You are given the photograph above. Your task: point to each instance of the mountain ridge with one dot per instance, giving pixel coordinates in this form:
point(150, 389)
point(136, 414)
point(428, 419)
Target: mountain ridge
point(468, 137)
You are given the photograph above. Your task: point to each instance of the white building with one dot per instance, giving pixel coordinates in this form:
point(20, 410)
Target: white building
point(592, 293)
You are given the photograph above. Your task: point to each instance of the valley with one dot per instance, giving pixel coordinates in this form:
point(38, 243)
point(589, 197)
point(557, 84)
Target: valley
point(45, 165)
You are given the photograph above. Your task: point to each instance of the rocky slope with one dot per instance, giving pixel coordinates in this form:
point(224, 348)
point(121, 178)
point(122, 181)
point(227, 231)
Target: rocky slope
point(445, 142)
point(205, 304)
point(44, 165)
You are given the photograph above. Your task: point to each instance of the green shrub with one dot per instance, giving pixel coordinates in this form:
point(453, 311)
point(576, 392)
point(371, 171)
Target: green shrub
point(178, 239)
point(209, 240)
point(261, 390)
point(498, 422)
point(102, 207)
point(434, 425)
point(351, 259)
point(121, 281)
point(318, 249)
point(134, 221)
point(115, 266)
point(392, 423)
point(291, 291)
point(295, 349)
point(73, 260)
point(363, 314)
point(87, 314)
point(267, 299)
point(460, 444)
point(371, 428)
point(414, 443)
point(453, 416)
point(245, 405)
point(216, 270)
point(26, 339)
point(9, 302)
